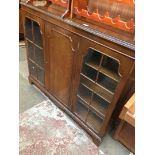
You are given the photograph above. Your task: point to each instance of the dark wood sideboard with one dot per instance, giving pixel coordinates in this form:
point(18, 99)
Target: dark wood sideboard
point(83, 70)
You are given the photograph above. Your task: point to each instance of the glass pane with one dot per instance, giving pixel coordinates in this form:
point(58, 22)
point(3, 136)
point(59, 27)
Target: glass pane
point(30, 50)
point(104, 93)
point(39, 56)
point(40, 75)
point(110, 64)
point(28, 28)
point(99, 104)
point(84, 93)
point(81, 110)
point(37, 34)
point(106, 82)
point(89, 72)
point(93, 58)
point(94, 121)
point(87, 83)
point(32, 69)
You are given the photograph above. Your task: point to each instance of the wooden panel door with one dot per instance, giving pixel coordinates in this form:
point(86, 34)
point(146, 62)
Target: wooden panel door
point(60, 59)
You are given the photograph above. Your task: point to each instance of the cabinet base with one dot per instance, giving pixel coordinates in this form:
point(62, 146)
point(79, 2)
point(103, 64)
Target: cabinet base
point(30, 80)
point(96, 139)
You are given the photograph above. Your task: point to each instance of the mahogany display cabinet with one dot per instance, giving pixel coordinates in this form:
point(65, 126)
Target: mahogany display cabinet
point(85, 69)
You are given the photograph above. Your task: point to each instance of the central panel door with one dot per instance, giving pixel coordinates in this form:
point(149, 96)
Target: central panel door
point(60, 63)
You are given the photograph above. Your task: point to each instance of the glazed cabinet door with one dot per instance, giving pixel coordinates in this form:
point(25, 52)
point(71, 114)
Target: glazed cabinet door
point(35, 51)
point(60, 58)
point(101, 75)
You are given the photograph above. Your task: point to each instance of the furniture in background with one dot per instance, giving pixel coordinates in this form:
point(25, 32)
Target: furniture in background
point(85, 67)
point(125, 132)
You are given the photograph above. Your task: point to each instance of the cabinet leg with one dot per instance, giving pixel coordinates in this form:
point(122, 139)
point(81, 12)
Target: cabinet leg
point(118, 130)
point(30, 81)
point(97, 142)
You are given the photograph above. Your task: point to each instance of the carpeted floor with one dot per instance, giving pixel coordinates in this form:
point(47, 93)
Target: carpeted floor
point(46, 130)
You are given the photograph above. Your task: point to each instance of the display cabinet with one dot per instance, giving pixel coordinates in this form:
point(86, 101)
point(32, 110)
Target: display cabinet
point(83, 67)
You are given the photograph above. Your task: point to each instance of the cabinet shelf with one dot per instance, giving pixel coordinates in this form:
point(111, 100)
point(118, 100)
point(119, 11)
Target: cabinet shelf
point(85, 93)
point(110, 74)
point(99, 105)
point(89, 72)
point(81, 110)
point(106, 83)
point(103, 70)
point(94, 118)
point(103, 64)
point(36, 64)
point(93, 59)
point(93, 65)
point(96, 103)
point(99, 113)
point(92, 86)
point(104, 93)
point(94, 121)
